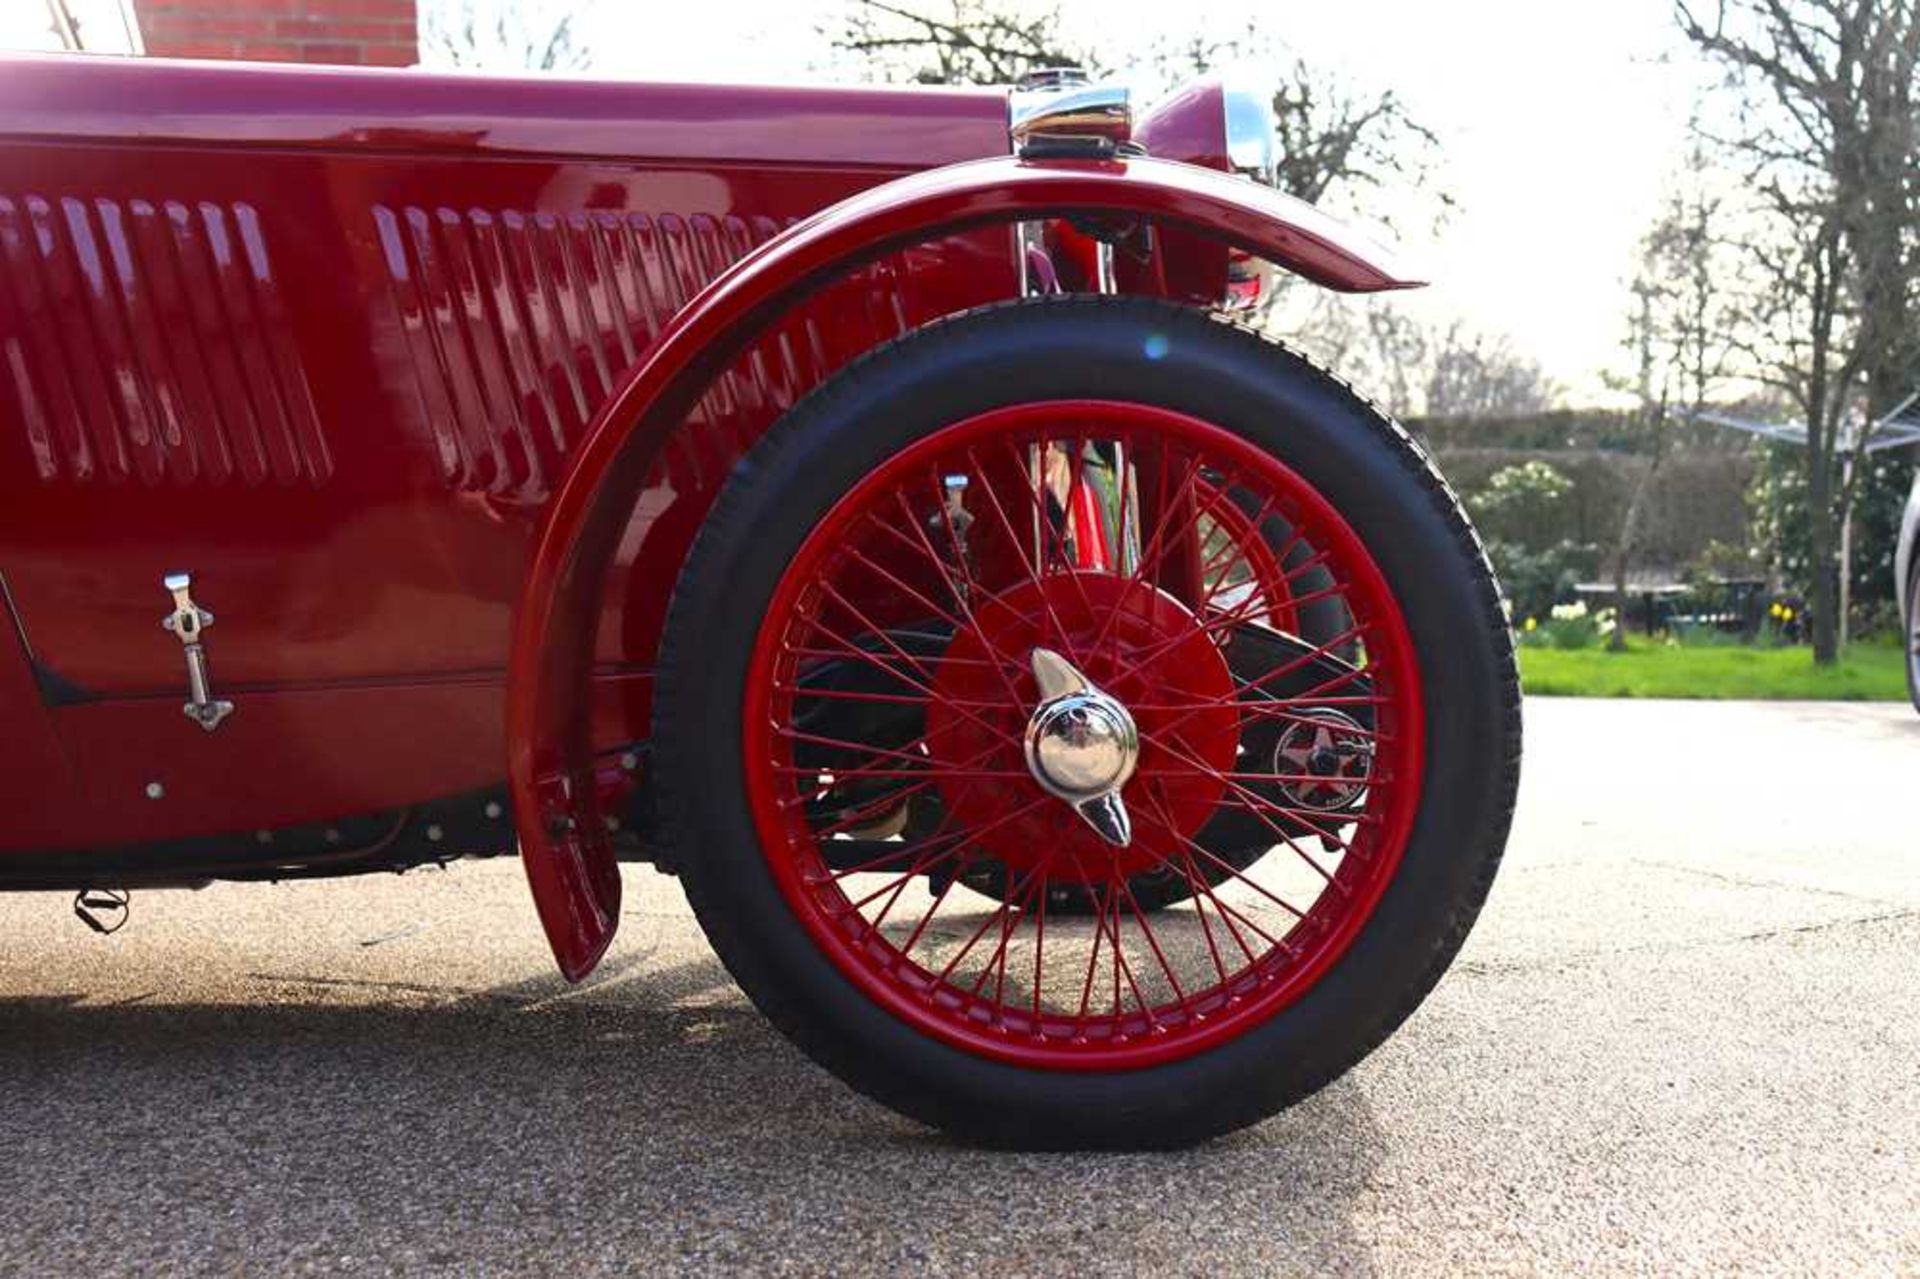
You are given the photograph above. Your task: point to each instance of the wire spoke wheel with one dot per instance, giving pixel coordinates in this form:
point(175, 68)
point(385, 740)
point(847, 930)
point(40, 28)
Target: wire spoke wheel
point(1125, 718)
point(941, 821)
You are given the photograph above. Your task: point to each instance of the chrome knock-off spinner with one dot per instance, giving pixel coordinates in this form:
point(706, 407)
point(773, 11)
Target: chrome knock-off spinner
point(1082, 745)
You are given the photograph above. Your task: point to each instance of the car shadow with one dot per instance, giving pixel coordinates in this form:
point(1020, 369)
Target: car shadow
point(658, 1121)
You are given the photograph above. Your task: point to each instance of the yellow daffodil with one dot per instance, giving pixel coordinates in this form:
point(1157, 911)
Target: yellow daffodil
point(1533, 624)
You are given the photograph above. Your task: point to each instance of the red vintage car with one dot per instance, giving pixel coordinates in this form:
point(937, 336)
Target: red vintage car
point(1077, 720)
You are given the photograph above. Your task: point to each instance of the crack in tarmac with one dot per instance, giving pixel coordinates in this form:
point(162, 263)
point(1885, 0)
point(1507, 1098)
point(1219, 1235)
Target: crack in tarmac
point(1575, 959)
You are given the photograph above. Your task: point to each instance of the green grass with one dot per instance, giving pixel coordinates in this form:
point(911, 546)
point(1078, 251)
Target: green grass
point(1866, 672)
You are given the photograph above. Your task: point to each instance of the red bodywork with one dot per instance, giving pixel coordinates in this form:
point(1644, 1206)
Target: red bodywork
point(328, 339)
point(381, 357)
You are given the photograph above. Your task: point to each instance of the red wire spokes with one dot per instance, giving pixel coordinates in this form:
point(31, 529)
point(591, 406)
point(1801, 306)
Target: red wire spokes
point(1033, 929)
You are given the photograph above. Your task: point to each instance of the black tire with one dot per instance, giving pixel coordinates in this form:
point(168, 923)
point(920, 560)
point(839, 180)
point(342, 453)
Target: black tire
point(1912, 636)
point(1365, 464)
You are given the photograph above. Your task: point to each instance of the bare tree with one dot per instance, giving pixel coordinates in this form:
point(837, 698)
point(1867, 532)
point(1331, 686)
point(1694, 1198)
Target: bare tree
point(1679, 337)
point(504, 35)
point(1476, 374)
point(1824, 134)
point(1397, 348)
point(1331, 133)
point(1419, 368)
point(954, 41)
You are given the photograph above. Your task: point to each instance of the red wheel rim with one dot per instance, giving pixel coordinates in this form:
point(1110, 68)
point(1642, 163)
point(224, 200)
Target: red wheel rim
point(883, 719)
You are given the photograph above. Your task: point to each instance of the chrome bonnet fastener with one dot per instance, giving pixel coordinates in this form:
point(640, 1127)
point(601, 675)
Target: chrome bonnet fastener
point(187, 621)
point(1082, 746)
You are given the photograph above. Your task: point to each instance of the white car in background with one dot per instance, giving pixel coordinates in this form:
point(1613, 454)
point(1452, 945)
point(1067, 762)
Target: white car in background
point(1906, 577)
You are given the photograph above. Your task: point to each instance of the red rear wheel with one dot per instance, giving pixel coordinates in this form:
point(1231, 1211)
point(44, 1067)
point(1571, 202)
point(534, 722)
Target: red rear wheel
point(1039, 613)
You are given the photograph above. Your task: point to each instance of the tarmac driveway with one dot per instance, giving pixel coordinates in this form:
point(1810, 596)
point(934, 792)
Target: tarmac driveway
point(1684, 1036)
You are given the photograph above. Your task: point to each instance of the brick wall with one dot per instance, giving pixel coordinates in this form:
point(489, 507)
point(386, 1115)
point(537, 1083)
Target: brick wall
point(376, 33)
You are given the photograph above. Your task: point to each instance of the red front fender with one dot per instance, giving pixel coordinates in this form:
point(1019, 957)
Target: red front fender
point(563, 842)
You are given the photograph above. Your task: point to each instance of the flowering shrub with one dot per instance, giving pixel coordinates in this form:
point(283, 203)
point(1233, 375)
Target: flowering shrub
point(1518, 511)
point(1568, 626)
point(1784, 624)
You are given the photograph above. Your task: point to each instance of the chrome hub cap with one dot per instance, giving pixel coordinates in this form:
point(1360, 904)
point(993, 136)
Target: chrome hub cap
point(1082, 746)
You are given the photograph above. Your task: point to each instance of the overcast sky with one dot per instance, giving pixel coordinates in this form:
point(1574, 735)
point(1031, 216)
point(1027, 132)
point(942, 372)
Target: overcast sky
point(1560, 121)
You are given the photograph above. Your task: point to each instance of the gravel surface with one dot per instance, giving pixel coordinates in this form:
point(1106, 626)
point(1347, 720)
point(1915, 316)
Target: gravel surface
point(1683, 1038)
